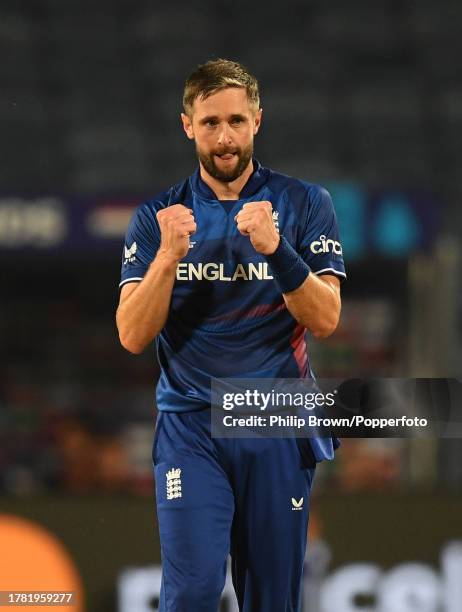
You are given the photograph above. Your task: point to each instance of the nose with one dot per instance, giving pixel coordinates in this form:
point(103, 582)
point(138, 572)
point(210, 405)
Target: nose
point(224, 136)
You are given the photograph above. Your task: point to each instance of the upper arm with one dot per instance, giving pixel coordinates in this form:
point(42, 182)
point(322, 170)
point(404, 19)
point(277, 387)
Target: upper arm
point(320, 245)
point(332, 280)
point(142, 241)
point(334, 284)
point(126, 290)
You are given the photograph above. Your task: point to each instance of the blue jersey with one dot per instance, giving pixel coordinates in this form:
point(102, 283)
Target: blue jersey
point(227, 317)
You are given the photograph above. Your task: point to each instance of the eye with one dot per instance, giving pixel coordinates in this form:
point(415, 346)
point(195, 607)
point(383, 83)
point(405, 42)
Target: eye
point(211, 123)
point(236, 121)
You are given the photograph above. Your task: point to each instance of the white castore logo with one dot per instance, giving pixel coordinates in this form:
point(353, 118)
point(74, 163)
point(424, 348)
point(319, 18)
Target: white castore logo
point(324, 245)
point(173, 483)
point(297, 505)
point(130, 254)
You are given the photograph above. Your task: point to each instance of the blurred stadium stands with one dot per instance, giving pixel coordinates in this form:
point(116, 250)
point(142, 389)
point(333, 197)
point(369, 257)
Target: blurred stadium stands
point(370, 92)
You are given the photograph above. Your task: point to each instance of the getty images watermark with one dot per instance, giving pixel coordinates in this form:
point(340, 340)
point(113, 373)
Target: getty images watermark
point(390, 407)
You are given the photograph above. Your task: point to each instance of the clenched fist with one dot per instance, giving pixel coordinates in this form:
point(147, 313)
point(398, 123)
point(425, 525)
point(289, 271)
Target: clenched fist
point(255, 220)
point(176, 225)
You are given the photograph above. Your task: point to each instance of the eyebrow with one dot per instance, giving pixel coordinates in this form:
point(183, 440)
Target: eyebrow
point(216, 118)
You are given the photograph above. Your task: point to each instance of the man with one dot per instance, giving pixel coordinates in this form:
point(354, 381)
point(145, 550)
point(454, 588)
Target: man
point(227, 270)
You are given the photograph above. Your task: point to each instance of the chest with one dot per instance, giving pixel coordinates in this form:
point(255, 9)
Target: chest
point(217, 237)
point(222, 272)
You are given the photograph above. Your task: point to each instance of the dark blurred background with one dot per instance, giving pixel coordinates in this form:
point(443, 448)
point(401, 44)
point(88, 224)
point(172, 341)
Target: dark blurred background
point(362, 97)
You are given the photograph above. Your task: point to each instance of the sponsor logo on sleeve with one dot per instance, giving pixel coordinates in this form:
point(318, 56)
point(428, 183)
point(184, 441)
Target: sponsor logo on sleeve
point(325, 245)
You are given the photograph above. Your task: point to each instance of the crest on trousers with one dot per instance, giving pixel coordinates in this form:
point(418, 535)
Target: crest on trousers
point(173, 483)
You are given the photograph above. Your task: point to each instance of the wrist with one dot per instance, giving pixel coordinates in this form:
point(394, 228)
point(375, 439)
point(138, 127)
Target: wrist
point(273, 246)
point(167, 259)
point(287, 267)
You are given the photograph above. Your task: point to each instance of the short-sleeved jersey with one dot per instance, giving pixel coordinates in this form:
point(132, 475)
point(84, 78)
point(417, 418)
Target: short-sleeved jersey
point(227, 317)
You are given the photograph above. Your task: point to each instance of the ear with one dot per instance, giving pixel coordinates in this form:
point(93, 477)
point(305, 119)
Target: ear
point(257, 121)
point(187, 126)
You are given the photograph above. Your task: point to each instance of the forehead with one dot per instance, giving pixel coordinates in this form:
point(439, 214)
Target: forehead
point(229, 101)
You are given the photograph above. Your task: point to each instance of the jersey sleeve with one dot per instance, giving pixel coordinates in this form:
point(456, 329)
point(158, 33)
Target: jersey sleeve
point(320, 245)
point(142, 241)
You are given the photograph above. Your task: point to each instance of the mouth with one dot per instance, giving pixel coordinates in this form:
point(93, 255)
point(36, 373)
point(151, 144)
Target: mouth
point(226, 156)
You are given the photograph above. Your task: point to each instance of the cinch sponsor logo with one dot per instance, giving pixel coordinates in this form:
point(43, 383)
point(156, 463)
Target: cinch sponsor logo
point(324, 245)
point(216, 271)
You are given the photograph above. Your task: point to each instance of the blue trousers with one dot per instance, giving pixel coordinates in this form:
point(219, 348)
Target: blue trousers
point(247, 497)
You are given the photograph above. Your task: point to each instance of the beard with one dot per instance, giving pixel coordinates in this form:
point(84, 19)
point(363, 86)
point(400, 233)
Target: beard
point(226, 175)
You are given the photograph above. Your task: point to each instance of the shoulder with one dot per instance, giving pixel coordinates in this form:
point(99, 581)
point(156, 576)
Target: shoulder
point(145, 213)
point(299, 191)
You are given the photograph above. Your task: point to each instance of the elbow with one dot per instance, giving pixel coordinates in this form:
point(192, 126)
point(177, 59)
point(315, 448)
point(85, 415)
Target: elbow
point(127, 338)
point(323, 332)
point(130, 342)
point(133, 347)
point(325, 328)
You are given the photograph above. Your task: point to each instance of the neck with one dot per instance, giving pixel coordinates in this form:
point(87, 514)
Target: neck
point(223, 190)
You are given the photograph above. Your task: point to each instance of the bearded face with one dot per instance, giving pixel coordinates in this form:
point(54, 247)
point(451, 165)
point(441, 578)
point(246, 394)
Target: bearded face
point(223, 127)
point(226, 164)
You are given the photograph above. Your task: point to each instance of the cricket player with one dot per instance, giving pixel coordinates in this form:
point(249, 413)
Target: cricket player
point(226, 271)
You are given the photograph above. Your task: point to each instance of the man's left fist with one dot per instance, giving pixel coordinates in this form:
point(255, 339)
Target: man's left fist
point(255, 220)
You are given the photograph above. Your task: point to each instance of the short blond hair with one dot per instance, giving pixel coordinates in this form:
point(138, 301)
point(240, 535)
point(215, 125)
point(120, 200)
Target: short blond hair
point(216, 75)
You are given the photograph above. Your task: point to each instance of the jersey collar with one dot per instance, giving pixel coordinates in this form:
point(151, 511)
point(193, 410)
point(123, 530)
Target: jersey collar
point(255, 182)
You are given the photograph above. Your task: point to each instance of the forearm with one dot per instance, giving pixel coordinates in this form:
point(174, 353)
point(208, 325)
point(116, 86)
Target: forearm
point(312, 301)
point(142, 315)
point(315, 305)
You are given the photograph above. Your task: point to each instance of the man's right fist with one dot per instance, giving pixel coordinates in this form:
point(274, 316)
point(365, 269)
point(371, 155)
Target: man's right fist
point(176, 225)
